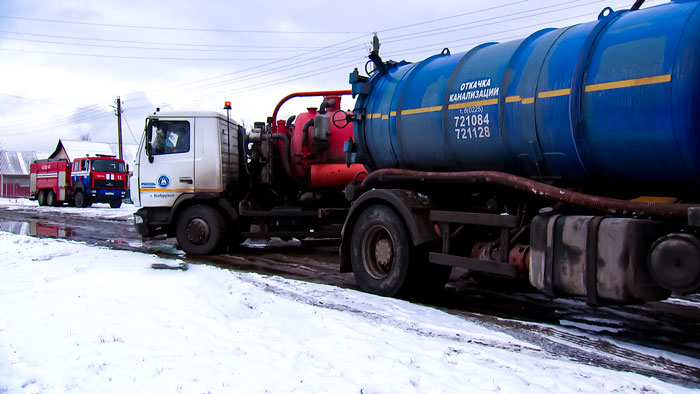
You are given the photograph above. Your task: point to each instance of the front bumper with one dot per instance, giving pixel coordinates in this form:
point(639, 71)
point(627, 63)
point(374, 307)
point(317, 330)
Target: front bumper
point(149, 222)
point(106, 195)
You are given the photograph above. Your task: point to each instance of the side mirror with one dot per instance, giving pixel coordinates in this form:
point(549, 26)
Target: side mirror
point(148, 147)
point(149, 135)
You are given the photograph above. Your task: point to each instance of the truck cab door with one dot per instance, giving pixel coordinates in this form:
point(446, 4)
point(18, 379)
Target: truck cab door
point(79, 174)
point(166, 162)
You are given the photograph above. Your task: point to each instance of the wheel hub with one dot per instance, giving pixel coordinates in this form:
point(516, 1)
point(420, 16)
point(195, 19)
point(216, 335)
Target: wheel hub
point(378, 252)
point(383, 252)
point(197, 231)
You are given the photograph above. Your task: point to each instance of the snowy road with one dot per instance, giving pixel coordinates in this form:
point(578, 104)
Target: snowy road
point(659, 340)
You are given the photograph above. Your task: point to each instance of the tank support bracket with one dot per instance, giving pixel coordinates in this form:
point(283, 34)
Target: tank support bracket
point(501, 269)
point(592, 261)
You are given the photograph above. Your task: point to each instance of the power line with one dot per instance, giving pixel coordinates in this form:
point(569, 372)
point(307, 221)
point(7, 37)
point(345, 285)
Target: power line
point(87, 114)
point(286, 67)
point(233, 59)
point(54, 126)
point(281, 80)
point(487, 22)
point(220, 83)
point(129, 127)
point(451, 17)
point(154, 42)
point(481, 36)
point(305, 62)
point(275, 50)
point(170, 28)
point(37, 101)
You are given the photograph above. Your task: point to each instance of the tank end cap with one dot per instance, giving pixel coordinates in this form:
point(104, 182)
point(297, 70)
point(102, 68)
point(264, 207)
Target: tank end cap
point(674, 262)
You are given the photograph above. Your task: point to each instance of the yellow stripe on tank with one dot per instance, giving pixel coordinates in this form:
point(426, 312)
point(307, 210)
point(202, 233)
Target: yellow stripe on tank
point(473, 104)
point(629, 83)
point(421, 110)
point(530, 100)
point(554, 93)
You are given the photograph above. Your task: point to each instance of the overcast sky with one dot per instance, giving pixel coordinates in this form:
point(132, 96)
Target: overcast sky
point(64, 62)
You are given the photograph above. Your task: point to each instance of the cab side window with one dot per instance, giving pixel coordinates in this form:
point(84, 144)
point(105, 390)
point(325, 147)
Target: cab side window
point(170, 137)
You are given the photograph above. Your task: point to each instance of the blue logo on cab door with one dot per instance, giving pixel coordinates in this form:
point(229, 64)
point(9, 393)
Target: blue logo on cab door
point(163, 181)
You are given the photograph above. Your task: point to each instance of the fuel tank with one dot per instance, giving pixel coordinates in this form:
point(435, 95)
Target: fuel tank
point(612, 102)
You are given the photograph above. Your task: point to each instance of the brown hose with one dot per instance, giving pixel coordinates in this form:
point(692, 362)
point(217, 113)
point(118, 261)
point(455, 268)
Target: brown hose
point(605, 204)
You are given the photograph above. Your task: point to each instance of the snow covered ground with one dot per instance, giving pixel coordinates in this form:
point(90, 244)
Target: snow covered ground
point(83, 319)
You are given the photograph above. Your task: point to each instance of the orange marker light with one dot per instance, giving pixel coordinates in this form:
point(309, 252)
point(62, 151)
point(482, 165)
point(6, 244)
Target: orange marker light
point(227, 105)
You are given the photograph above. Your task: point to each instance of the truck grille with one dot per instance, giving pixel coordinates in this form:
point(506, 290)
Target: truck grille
point(108, 184)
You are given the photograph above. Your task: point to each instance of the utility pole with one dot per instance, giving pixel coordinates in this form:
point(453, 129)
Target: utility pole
point(119, 126)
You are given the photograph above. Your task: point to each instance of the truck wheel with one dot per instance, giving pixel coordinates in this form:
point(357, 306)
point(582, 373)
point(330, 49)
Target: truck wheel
point(80, 200)
point(201, 230)
point(51, 198)
point(115, 203)
point(41, 197)
point(381, 253)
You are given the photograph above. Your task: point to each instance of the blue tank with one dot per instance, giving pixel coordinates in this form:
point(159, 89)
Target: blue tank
point(614, 101)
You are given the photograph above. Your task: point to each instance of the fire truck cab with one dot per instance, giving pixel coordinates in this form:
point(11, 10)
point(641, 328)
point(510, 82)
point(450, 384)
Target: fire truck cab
point(88, 179)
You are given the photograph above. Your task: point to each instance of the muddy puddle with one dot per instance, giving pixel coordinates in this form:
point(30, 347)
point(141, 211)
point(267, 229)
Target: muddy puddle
point(37, 229)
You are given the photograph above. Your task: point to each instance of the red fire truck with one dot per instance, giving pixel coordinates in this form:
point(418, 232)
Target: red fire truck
point(88, 179)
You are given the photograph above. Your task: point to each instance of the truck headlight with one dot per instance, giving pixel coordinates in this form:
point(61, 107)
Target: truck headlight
point(138, 219)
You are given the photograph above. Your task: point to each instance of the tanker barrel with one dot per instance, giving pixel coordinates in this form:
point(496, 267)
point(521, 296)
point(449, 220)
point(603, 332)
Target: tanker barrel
point(609, 104)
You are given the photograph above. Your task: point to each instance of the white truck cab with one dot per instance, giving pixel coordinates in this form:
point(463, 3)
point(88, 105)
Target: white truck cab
point(182, 155)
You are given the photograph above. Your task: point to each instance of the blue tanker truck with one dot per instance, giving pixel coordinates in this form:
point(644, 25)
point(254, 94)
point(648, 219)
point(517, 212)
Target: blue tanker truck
point(571, 157)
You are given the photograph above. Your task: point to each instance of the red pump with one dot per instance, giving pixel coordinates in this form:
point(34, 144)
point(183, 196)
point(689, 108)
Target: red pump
point(317, 143)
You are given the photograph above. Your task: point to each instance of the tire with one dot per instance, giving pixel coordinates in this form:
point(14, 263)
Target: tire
point(80, 199)
point(380, 253)
point(41, 197)
point(51, 198)
point(201, 230)
point(385, 262)
point(115, 203)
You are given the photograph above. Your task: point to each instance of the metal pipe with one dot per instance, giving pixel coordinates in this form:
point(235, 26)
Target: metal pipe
point(305, 131)
point(598, 203)
point(305, 94)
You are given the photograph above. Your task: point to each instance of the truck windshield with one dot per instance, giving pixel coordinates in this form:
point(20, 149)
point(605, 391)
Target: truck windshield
point(170, 137)
point(107, 165)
